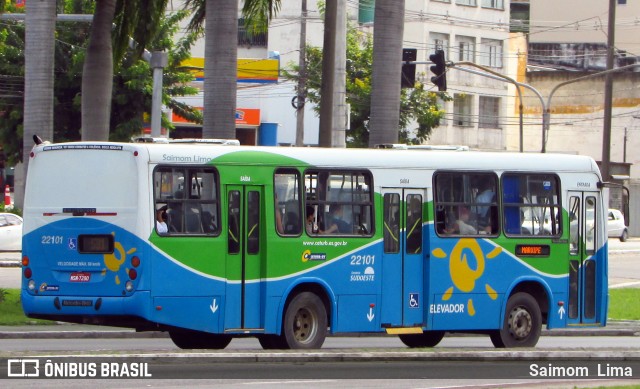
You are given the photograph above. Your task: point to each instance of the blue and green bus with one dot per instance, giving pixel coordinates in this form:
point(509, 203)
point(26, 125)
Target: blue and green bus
point(289, 245)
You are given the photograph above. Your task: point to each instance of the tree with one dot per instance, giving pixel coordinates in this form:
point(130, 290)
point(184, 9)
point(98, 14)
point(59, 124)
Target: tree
point(97, 74)
point(40, 22)
point(221, 56)
point(385, 92)
point(137, 19)
point(132, 84)
point(416, 105)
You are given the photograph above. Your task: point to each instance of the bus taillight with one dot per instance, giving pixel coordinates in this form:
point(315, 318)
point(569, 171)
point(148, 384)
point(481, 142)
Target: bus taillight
point(133, 274)
point(27, 273)
point(135, 261)
point(25, 261)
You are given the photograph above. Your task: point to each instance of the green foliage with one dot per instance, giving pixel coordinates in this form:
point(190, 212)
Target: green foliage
point(417, 104)
point(132, 88)
point(13, 210)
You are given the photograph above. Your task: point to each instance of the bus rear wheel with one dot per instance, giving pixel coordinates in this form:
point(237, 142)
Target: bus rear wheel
point(189, 339)
point(522, 323)
point(425, 339)
point(305, 322)
point(272, 342)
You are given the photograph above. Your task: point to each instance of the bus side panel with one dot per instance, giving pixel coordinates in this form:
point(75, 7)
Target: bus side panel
point(185, 297)
point(349, 273)
point(471, 279)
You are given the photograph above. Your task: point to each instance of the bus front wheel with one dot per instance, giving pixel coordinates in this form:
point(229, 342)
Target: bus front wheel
point(305, 322)
point(425, 339)
point(522, 323)
point(188, 339)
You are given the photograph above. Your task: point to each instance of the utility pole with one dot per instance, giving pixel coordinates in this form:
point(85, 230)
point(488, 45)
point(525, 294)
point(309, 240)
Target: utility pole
point(608, 93)
point(340, 78)
point(624, 147)
point(302, 77)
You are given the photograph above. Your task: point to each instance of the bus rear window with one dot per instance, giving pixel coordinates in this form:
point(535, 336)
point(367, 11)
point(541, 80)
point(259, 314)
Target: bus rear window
point(102, 180)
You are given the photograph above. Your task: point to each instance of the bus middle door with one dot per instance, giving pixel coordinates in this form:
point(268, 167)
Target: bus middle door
point(403, 298)
point(245, 229)
point(585, 228)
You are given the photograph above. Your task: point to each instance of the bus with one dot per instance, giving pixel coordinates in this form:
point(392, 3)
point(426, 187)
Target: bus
point(290, 245)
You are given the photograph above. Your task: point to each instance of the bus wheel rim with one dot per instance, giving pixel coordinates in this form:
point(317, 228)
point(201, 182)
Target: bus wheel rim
point(305, 325)
point(520, 323)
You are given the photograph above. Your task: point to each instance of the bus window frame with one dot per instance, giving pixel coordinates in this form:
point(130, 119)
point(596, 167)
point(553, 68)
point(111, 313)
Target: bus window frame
point(557, 205)
point(471, 175)
point(317, 204)
point(186, 200)
point(301, 219)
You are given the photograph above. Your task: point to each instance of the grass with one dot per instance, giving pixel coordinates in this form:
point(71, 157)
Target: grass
point(11, 313)
point(624, 304)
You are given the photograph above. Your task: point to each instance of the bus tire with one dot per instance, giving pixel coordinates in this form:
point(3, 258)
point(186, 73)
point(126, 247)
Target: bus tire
point(305, 322)
point(522, 323)
point(425, 339)
point(272, 342)
point(188, 339)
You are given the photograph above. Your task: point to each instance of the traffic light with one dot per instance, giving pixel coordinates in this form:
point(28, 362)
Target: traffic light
point(439, 68)
point(408, 79)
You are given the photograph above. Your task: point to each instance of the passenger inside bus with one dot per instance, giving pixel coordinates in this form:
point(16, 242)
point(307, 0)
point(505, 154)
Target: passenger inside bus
point(461, 226)
point(279, 225)
point(311, 227)
point(486, 195)
point(335, 221)
point(161, 220)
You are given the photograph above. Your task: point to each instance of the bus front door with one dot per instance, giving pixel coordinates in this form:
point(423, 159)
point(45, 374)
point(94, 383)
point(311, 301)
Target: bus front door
point(403, 298)
point(245, 231)
point(585, 229)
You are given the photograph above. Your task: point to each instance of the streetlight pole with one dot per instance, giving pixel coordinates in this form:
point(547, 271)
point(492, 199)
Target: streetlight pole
point(608, 93)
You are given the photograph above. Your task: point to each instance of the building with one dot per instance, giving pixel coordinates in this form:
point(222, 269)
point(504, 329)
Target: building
point(567, 40)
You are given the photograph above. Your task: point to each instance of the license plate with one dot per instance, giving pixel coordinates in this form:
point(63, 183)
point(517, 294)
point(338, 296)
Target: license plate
point(80, 277)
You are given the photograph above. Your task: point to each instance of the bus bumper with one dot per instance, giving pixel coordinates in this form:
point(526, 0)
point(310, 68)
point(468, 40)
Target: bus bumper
point(136, 304)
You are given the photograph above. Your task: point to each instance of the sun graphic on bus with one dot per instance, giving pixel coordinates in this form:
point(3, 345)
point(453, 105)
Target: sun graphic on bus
point(114, 261)
point(463, 276)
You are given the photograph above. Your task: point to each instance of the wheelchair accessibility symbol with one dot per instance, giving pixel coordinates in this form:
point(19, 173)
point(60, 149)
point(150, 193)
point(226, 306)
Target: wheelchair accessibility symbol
point(414, 300)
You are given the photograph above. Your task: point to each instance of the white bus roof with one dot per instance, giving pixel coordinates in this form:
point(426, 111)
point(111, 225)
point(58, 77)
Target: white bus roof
point(200, 153)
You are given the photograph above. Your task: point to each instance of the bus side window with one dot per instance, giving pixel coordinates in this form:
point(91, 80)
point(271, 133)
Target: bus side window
point(466, 203)
point(192, 209)
point(287, 202)
point(343, 201)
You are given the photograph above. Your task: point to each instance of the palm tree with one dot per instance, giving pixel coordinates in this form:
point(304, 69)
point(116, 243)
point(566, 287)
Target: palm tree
point(221, 57)
point(97, 74)
point(40, 20)
point(387, 67)
point(137, 19)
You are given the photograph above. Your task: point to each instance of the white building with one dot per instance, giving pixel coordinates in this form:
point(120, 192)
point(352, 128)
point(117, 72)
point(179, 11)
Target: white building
point(468, 30)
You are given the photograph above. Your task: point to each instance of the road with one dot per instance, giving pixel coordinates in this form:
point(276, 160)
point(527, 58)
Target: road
point(164, 345)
